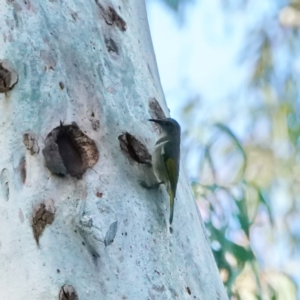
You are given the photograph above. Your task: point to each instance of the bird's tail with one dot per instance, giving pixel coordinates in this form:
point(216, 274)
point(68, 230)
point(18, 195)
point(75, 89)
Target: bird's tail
point(171, 205)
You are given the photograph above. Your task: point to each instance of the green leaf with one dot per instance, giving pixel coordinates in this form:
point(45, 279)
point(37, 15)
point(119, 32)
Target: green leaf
point(242, 215)
point(235, 140)
point(263, 200)
point(208, 157)
point(243, 255)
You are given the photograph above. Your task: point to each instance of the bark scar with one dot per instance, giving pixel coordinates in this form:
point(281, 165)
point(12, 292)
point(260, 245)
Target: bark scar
point(134, 149)
point(111, 17)
point(8, 77)
point(69, 151)
point(43, 215)
point(68, 292)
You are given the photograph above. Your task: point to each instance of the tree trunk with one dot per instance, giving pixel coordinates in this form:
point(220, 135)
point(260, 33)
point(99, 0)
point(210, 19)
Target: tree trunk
point(78, 81)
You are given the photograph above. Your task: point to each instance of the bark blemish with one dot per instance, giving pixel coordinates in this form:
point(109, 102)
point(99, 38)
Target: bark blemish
point(96, 125)
point(111, 17)
point(68, 292)
point(88, 241)
point(111, 233)
point(74, 16)
point(156, 111)
point(115, 18)
point(69, 151)
point(8, 77)
point(111, 46)
point(99, 194)
point(22, 168)
point(134, 149)
point(21, 216)
point(159, 288)
point(4, 181)
point(49, 59)
point(31, 143)
point(43, 215)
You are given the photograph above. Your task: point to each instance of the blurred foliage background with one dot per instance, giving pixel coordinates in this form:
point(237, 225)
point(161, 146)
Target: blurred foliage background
point(248, 160)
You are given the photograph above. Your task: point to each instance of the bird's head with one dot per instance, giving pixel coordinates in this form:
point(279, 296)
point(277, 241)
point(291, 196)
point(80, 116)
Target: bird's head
point(169, 126)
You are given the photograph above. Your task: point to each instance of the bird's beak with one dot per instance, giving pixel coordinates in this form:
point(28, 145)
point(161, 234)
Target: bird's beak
point(155, 121)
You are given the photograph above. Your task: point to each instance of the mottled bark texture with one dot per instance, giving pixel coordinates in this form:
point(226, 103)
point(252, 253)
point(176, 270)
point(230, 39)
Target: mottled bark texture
point(78, 81)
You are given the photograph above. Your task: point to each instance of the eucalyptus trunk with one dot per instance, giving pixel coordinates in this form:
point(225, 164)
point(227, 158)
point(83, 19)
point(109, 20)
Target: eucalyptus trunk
point(78, 81)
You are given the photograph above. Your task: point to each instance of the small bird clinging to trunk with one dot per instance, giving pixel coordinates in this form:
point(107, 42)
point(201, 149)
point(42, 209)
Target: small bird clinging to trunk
point(166, 157)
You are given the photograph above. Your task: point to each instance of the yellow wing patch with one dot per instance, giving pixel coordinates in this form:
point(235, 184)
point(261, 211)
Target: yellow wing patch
point(172, 172)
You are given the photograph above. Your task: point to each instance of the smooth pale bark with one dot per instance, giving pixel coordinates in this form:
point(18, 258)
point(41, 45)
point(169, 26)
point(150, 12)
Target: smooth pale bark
point(77, 62)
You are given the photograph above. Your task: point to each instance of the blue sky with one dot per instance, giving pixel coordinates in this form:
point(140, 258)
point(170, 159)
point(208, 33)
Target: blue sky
point(198, 56)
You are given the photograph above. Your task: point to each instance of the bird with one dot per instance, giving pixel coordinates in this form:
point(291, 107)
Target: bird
point(166, 157)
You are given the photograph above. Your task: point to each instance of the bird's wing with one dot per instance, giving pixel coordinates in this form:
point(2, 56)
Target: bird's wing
point(172, 170)
point(172, 173)
point(171, 165)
